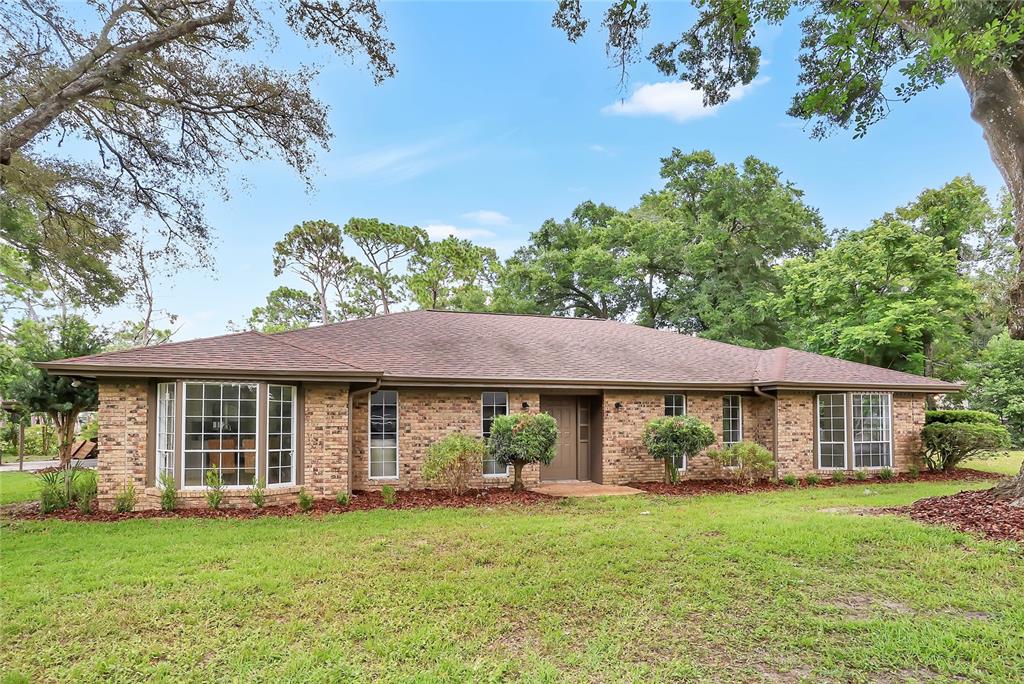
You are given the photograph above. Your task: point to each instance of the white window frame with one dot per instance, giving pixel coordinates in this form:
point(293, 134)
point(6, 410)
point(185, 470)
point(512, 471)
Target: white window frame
point(886, 429)
point(165, 456)
point(739, 419)
point(484, 437)
point(664, 402)
point(369, 438)
point(294, 435)
point(184, 435)
point(846, 430)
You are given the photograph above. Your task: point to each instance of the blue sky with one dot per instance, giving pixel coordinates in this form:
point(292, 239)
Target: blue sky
point(495, 122)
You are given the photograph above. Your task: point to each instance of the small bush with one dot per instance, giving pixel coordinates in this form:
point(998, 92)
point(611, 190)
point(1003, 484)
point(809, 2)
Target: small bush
point(813, 480)
point(125, 500)
point(521, 438)
point(168, 492)
point(258, 493)
point(745, 461)
point(86, 490)
point(676, 438)
point(305, 501)
point(342, 498)
point(886, 474)
point(52, 497)
point(214, 488)
point(913, 472)
point(860, 475)
point(950, 416)
point(790, 480)
point(452, 461)
point(838, 476)
point(947, 444)
point(389, 495)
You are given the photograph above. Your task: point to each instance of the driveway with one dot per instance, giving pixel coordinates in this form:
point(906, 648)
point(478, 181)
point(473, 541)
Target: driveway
point(32, 466)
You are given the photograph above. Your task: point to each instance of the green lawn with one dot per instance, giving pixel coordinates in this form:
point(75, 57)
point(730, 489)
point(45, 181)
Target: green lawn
point(730, 588)
point(1004, 465)
point(15, 487)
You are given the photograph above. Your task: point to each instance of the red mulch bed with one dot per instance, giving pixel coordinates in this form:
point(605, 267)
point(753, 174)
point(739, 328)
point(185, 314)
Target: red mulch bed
point(699, 487)
point(971, 511)
point(360, 501)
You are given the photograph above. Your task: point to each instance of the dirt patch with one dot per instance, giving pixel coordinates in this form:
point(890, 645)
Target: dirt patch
point(700, 487)
point(863, 607)
point(973, 511)
point(360, 501)
point(849, 510)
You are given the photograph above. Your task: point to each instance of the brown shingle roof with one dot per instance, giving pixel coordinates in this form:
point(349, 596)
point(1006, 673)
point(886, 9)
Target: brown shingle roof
point(425, 346)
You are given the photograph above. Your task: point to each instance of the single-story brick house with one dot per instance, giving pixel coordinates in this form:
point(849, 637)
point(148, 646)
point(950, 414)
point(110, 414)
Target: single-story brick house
point(354, 405)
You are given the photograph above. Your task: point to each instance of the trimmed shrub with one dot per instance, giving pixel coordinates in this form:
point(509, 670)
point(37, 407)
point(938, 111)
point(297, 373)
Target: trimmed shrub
point(813, 479)
point(125, 500)
point(790, 480)
point(305, 501)
point(838, 476)
point(886, 474)
point(258, 493)
point(860, 475)
point(214, 488)
point(960, 416)
point(747, 461)
point(452, 461)
point(168, 492)
point(342, 498)
point(389, 495)
point(521, 438)
point(673, 438)
point(948, 444)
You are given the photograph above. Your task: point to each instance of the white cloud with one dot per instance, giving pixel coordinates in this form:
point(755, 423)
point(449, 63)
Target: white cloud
point(439, 231)
point(598, 148)
point(487, 217)
point(676, 100)
point(398, 163)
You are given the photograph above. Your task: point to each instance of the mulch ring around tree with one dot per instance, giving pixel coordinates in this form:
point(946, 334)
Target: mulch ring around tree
point(700, 487)
point(977, 512)
point(359, 501)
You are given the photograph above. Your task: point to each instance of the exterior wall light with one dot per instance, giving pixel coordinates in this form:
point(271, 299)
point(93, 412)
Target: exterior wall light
point(526, 404)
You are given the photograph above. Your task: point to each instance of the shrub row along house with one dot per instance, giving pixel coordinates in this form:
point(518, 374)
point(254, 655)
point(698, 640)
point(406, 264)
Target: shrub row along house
point(354, 405)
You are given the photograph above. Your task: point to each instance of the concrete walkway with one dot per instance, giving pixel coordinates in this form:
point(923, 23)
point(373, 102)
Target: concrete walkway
point(578, 488)
point(32, 466)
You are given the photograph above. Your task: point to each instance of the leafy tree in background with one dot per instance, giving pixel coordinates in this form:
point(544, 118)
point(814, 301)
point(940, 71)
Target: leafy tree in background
point(167, 95)
point(384, 245)
point(286, 309)
point(856, 58)
point(997, 383)
point(881, 296)
point(59, 337)
point(451, 274)
point(314, 252)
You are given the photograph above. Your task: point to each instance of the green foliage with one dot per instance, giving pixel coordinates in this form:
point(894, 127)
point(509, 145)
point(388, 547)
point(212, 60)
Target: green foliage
point(960, 416)
point(813, 479)
point(342, 498)
point(168, 492)
point(86, 489)
point(305, 501)
point(258, 493)
point(997, 383)
point(947, 444)
point(913, 472)
point(451, 274)
point(40, 440)
point(676, 438)
point(886, 474)
point(521, 438)
point(838, 476)
point(90, 430)
point(453, 460)
point(790, 480)
point(745, 460)
point(126, 499)
point(388, 495)
point(214, 488)
point(286, 309)
point(378, 286)
point(53, 494)
point(860, 475)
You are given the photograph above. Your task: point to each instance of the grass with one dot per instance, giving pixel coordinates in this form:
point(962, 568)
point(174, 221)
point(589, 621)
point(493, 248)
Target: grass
point(773, 586)
point(1003, 465)
point(18, 486)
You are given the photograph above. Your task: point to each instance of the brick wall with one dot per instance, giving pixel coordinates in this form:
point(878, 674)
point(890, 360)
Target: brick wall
point(424, 416)
point(907, 421)
point(325, 438)
point(123, 418)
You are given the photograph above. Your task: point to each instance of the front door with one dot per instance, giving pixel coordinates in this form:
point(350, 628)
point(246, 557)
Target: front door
point(563, 410)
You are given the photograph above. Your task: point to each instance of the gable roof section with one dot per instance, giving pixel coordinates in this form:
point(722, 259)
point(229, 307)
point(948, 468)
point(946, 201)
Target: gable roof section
point(450, 347)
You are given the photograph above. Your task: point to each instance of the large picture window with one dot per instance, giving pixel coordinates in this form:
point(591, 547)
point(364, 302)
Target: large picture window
point(220, 433)
point(872, 430)
point(492, 404)
point(164, 430)
point(384, 434)
point(732, 419)
point(280, 434)
point(832, 431)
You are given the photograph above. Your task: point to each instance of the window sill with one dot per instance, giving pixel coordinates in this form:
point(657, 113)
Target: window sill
point(233, 490)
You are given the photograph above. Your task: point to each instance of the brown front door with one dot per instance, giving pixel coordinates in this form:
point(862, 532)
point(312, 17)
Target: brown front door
point(563, 410)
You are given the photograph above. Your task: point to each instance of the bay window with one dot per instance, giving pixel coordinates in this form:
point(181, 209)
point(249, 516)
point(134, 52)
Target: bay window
point(280, 434)
point(165, 393)
point(384, 435)
point(220, 433)
point(858, 423)
point(492, 404)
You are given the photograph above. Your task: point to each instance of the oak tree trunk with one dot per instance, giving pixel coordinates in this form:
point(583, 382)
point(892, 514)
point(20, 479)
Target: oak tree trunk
point(997, 104)
point(1011, 490)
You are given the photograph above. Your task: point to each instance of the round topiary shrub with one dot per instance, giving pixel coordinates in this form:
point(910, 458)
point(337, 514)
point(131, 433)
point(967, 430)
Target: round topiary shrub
point(521, 438)
point(675, 438)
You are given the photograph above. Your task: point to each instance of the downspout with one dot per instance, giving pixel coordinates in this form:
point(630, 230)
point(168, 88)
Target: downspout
point(775, 426)
point(351, 437)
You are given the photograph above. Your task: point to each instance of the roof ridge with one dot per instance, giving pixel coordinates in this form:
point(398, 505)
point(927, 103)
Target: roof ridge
point(310, 351)
point(347, 320)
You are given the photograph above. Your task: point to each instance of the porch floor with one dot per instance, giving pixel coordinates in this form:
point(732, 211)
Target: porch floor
point(570, 488)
